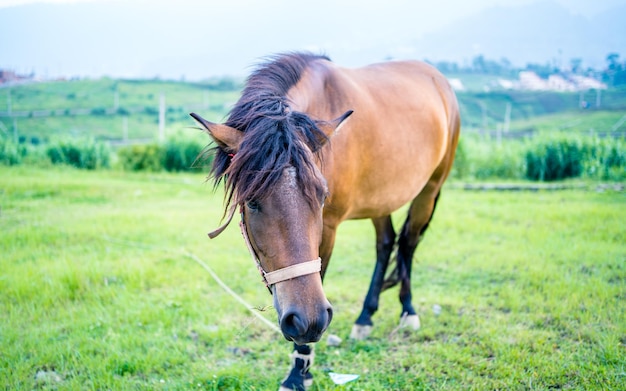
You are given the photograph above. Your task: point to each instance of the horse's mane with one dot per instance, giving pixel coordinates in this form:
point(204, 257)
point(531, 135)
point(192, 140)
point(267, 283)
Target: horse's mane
point(275, 137)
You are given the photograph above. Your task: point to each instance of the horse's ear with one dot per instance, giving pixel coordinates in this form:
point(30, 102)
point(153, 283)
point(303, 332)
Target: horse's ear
point(226, 137)
point(330, 128)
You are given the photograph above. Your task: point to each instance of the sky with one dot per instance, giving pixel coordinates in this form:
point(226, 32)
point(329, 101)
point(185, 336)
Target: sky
point(196, 39)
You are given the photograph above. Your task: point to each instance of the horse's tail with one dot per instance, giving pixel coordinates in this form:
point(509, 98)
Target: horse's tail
point(392, 278)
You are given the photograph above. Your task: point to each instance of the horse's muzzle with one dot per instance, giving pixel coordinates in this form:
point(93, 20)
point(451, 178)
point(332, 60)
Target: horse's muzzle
point(301, 328)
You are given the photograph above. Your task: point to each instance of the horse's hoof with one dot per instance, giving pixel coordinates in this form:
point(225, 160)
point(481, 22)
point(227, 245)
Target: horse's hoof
point(307, 383)
point(412, 321)
point(360, 332)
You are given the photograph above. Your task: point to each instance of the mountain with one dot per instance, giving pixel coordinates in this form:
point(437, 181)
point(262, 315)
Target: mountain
point(543, 32)
point(199, 39)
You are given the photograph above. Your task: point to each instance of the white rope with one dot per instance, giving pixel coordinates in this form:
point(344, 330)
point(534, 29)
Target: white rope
point(231, 292)
point(208, 270)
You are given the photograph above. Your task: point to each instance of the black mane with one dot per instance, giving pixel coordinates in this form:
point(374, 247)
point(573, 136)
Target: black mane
point(275, 137)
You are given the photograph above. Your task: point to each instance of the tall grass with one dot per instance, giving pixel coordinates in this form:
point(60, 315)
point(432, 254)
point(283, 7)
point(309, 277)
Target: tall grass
point(141, 157)
point(86, 153)
point(175, 155)
point(10, 152)
point(546, 157)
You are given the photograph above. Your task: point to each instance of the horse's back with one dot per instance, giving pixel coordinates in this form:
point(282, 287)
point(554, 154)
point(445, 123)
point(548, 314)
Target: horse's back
point(402, 130)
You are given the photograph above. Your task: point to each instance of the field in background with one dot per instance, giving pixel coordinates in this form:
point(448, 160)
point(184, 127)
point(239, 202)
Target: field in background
point(109, 109)
point(96, 293)
point(118, 109)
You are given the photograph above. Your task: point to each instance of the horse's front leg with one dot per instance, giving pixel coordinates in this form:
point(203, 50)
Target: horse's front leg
point(385, 240)
point(299, 377)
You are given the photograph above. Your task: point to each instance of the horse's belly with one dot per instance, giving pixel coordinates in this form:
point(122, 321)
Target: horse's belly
point(382, 199)
point(388, 185)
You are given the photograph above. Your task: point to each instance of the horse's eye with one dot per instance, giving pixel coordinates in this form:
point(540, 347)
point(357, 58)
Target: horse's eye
point(253, 205)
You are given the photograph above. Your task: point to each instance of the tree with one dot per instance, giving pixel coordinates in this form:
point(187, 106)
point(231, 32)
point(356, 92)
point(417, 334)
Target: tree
point(576, 65)
point(615, 74)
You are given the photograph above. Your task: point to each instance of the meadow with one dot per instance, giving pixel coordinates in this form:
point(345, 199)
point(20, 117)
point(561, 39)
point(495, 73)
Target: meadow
point(516, 290)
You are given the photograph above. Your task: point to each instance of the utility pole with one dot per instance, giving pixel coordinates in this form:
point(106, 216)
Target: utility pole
point(162, 117)
point(507, 117)
point(125, 129)
point(484, 111)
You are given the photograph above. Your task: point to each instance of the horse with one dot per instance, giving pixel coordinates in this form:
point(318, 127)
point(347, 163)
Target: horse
point(310, 144)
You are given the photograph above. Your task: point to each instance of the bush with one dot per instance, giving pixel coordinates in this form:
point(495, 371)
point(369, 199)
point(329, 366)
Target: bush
point(181, 154)
point(176, 154)
point(553, 158)
point(10, 153)
point(484, 158)
point(605, 159)
point(86, 154)
point(147, 157)
point(98, 111)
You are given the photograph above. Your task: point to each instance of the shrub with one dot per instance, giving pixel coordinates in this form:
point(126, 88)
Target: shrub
point(181, 154)
point(10, 153)
point(605, 159)
point(553, 158)
point(148, 157)
point(98, 111)
point(176, 154)
point(484, 158)
point(86, 154)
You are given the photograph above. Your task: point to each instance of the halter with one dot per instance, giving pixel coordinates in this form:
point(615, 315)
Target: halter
point(280, 275)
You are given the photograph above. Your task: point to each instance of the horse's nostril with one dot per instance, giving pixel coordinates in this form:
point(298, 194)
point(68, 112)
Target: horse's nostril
point(330, 315)
point(292, 325)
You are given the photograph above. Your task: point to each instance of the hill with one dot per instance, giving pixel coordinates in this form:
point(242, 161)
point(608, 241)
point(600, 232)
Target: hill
point(110, 109)
point(542, 32)
point(187, 39)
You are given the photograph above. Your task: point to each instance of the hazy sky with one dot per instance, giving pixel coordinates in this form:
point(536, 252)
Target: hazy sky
point(199, 38)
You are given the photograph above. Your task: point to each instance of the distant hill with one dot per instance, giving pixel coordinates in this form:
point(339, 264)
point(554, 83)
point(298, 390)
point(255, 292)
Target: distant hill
point(537, 33)
point(183, 40)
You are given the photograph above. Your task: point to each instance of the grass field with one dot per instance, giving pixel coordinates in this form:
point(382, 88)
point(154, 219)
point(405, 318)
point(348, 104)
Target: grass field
point(110, 109)
point(97, 108)
point(97, 294)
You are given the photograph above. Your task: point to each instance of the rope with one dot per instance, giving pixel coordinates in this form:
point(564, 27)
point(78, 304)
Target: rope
point(208, 270)
point(231, 292)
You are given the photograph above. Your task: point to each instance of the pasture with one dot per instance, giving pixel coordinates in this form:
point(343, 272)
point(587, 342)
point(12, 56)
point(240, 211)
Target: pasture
point(516, 290)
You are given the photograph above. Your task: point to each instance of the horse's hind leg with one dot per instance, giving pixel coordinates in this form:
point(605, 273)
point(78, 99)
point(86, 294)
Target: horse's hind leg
point(385, 240)
point(420, 214)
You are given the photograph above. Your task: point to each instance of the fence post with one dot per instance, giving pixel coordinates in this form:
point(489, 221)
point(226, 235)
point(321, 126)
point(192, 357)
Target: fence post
point(507, 117)
point(125, 129)
point(162, 117)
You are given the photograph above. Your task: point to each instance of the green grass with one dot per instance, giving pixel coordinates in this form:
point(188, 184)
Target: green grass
point(584, 122)
point(95, 290)
point(138, 100)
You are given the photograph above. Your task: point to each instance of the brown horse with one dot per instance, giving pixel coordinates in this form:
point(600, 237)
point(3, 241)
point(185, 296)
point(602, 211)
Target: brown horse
point(310, 144)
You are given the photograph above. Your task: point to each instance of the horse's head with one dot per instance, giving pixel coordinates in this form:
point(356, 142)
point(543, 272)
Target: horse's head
point(280, 191)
